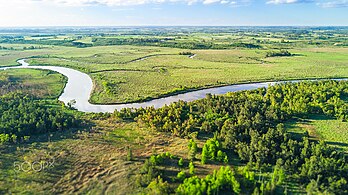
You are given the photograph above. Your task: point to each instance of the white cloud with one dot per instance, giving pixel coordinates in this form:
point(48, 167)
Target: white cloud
point(334, 4)
point(206, 2)
point(79, 3)
point(288, 1)
point(240, 3)
point(120, 3)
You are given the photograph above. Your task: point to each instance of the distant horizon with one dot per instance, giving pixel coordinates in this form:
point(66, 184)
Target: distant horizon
point(58, 26)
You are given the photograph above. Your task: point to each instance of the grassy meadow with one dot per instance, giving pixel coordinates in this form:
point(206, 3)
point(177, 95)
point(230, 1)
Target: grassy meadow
point(43, 84)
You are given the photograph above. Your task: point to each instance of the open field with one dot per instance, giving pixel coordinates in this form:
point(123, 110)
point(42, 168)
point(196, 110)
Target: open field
point(10, 53)
point(42, 84)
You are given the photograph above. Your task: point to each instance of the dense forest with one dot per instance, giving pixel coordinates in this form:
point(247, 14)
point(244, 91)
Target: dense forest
point(22, 116)
point(250, 125)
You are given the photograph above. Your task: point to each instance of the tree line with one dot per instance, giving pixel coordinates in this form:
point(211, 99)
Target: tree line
point(162, 42)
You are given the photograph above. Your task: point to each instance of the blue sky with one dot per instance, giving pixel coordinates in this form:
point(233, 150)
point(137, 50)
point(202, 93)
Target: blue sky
point(173, 12)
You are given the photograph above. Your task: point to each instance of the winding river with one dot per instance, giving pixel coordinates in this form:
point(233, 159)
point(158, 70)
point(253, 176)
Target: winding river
point(79, 88)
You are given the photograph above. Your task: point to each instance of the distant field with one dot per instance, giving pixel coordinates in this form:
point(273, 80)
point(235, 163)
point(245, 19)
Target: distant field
point(128, 73)
point(13, 52)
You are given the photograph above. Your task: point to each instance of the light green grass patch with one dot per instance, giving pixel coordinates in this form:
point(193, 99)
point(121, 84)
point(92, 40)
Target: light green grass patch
point(333, 131)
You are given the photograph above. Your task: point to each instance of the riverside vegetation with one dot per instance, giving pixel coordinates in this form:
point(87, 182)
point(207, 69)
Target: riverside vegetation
point(287, 139)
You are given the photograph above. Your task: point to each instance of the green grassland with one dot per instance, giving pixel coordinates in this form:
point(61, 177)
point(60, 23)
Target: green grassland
point(333, 131)
point(9, 57)
point(42, 84)
point(163, 71)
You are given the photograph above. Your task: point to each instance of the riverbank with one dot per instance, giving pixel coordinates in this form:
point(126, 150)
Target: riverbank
point(79, 88)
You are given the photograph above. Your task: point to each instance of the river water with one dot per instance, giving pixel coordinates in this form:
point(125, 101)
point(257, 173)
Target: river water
point(79, 88)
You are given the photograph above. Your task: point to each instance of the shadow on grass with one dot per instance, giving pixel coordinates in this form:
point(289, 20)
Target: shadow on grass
point(297, 132)
point(337, 144)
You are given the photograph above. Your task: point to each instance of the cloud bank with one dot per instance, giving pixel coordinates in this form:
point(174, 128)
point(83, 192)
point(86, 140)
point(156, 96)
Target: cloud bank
point(232, 3)
point(132, 2)
point(334, 4)
point(289, 1)
point(321, 3)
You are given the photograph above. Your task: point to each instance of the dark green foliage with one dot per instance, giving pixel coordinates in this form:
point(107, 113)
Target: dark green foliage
point(181, 162)
point(192, 146)
point(212, 150)
point(257, 110)
point(22, 40)
point(186, 53)
point(23, 116)
point(327, 167)
point(181, 176)
point(191, 168)
point(175, 118)
point(150, 169)
point(126, 114)
point(148, 172)
point(278, 53)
